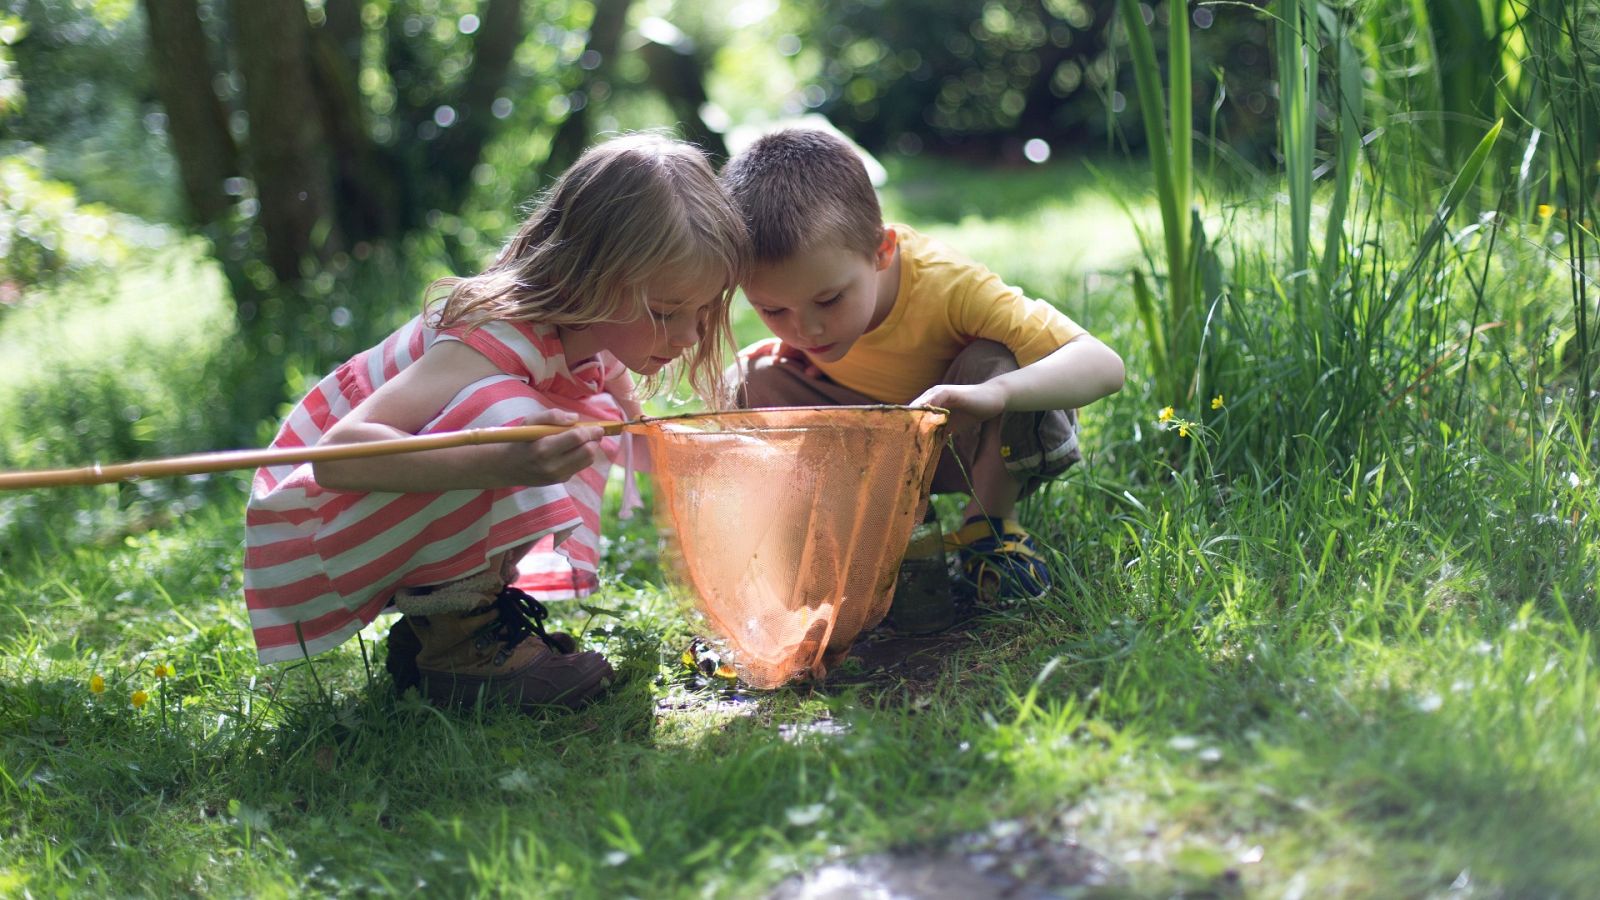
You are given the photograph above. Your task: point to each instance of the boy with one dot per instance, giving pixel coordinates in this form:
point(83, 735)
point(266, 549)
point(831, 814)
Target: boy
point(871, 313)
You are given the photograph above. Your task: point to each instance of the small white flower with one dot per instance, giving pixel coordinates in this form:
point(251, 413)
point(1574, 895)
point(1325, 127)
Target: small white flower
point(801, 816)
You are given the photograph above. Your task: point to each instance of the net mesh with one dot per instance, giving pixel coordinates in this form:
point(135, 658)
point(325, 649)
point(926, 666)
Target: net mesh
point(787, 526)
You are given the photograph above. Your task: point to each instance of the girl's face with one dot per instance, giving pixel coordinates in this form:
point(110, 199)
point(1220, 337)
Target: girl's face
point(679, 306)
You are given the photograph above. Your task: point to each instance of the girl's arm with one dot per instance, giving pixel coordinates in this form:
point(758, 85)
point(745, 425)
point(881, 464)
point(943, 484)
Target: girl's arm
point(1082, 371)
point(406, 403)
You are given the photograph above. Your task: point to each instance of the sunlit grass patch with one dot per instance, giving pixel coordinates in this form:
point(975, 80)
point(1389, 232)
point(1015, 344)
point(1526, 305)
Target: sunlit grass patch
point(1045, 229)
point(170, 302)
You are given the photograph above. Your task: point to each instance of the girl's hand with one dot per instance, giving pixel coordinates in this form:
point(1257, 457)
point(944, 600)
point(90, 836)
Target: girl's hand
point(969, 404)
point(549, 460)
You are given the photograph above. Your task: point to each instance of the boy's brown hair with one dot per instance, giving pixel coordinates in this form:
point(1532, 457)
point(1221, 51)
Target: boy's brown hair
point(801, 188)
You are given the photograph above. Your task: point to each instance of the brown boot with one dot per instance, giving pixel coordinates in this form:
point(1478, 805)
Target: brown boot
point(400, 658)
point(475, 645)
point(403, 646)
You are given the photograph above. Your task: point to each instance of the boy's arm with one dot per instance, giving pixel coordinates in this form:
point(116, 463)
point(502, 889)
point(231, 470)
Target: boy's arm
point(1082, 371)
point(406, 403)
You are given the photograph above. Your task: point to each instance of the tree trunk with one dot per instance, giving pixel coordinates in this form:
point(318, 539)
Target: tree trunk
point(197, 127)
point(456, 152)
point(678, 72)
point(342, 25)
point(286, 141)
point(368, 201)
point(605, 40)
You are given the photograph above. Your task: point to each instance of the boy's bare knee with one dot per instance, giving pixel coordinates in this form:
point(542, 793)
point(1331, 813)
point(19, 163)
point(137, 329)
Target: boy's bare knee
point(762, 381)
point(980, 361)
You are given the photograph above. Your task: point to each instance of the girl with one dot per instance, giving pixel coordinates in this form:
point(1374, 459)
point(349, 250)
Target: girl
point(629, 263)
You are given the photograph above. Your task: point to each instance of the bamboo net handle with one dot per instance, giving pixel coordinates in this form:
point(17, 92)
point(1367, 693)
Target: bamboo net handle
point(199, 463)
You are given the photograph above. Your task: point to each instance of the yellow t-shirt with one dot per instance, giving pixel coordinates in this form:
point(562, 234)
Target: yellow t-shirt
point(944, 303)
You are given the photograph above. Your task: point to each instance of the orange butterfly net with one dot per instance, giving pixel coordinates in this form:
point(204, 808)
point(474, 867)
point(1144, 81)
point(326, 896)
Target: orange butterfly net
point(788, 525)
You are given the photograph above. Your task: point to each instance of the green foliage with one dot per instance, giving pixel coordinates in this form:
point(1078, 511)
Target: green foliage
point(150, 387)
point(962, 71)
point(1350, 330)
point(80, 68)
point(12, 95)
point(981, 79)
point(46, 233)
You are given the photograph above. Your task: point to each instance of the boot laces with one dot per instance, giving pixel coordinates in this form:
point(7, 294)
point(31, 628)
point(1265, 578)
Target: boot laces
point(521, 617)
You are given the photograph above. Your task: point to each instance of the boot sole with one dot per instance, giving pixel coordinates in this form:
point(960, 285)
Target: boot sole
point(448, 689)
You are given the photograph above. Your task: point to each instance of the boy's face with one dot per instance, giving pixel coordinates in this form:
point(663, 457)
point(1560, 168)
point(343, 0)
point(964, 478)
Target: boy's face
point(820, 301)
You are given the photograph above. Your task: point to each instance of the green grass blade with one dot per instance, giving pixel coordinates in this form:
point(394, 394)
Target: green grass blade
point(1180, 94)
point(1297, 88)
point(1145, 303)
point(1147, 79)
point(1348, 98)
point(1464, 182)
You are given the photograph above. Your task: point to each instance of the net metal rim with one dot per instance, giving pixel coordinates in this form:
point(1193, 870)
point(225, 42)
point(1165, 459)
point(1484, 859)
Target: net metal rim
point(856, 410)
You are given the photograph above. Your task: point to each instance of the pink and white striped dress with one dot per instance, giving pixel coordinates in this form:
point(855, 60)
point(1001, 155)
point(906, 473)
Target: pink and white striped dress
point(320, 564)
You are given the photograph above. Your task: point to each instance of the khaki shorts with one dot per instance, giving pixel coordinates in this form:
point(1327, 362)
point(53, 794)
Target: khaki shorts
point(1036, 446)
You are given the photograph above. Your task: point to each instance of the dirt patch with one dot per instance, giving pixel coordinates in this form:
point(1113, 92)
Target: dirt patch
point(882, 657)
point(1008, 859)
point(885, 656)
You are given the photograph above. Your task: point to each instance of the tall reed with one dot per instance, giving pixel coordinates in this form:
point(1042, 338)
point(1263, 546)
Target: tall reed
point(1350, 309)
point(1447, 69)
point(1297, 57)
point(1330, 333)
point(1564, 56)
point(1173, 323)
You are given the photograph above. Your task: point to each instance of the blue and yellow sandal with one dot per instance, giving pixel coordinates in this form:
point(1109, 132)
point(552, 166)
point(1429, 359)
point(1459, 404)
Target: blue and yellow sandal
point(999, 559)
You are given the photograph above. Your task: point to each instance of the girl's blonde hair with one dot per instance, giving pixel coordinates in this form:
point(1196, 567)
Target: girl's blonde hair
point(627, 211)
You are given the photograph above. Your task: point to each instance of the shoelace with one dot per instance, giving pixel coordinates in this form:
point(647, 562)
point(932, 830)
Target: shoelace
point(521, 616)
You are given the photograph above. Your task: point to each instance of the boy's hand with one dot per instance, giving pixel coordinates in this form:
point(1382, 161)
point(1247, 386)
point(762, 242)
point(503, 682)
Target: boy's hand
point(781, 352)
point(969, 404)
point(553, 459)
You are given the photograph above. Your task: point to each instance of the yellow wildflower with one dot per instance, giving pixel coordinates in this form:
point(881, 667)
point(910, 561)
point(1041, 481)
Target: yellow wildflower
point(97, 685)
point(139, 699)
point(1165, 414)
point(1183, 429)
point(163, 670)
point(1216, 402)
point(1544, 210)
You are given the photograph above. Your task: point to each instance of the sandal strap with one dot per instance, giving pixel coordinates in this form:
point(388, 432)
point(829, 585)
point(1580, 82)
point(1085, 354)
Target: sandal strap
point(1014, 553)
point(1016, 548)
point(989, 527)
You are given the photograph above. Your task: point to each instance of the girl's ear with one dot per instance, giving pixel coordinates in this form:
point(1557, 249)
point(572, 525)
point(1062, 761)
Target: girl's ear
point(884, 255)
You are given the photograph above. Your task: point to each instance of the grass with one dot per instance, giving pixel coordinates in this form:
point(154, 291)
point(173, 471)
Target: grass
point(1371, 672)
